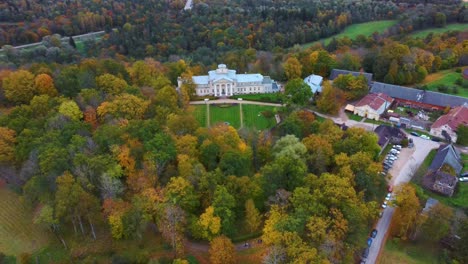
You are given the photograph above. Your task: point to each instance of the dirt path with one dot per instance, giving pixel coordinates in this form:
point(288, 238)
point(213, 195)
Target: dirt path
point(232, 101)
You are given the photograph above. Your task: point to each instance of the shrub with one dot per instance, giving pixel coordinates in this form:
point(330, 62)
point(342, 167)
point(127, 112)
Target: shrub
point(455, 90)
point(458, 70)
point(459, 81)
point(442, 88)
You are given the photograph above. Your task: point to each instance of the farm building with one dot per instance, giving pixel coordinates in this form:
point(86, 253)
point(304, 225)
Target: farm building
point(373, 105)
point(418, 98)
point(448, 124)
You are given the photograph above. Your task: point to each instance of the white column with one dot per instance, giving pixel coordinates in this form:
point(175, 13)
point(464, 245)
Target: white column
point(230, 88)
point(216, 90)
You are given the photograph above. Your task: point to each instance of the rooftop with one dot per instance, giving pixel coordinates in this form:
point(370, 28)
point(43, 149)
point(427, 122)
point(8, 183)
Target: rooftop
point(223, 73)
point(457, 116)
point(411, 94)
point(447, 154)
point(385, 133)
point(375, 101)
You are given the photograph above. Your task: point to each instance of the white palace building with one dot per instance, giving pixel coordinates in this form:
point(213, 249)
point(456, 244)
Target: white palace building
point(225, 82)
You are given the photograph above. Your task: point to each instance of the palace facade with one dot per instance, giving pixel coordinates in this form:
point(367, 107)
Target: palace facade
point(224, 82)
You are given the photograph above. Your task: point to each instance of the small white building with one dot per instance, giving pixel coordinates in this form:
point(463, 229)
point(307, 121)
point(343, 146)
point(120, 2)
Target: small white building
point(225, 82)
point(314, 82)
point(373, 105)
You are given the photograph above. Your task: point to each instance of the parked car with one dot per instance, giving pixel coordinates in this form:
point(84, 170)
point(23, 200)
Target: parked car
point(463, 179)
point(465, 174)
point(414, 134)
point(369, 241)
point(373, 233)
point(389, 195)
point(365, 254)
point(425, 137)
point(398, 147)
point(384, 205)
point(435, 139)
point(390, 188)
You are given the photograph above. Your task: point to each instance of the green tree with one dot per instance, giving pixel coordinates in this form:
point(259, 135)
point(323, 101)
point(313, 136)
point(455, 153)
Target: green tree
point(437, 223)
point(179, 191)
point(67, 81)
point(19, 86)
point(224, 204)
point(462, 135)
point(161, 150)
point(297, 92)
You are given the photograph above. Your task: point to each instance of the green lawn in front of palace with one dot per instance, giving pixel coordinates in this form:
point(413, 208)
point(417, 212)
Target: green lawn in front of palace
point(230, 114)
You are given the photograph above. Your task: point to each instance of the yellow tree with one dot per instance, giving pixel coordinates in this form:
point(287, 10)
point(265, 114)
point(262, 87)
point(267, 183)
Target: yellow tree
point(209, 224)
point(124, 106)
point(222, 251)
point(44, 84)
point(407, 210)
point(7, 144)
point(252, 216)
point(70, 109)
point(19, 86)
point(111, 84)
point(292, 68)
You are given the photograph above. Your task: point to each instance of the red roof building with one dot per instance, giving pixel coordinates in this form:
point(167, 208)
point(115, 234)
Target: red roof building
point(448, 124)
point(373, 105)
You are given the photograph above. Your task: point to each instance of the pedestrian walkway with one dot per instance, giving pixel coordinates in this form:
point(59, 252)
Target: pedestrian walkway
point(232, 101)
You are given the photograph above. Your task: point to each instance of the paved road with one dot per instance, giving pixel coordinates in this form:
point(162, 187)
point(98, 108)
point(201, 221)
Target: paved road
point(232, 101)
point(402, 171)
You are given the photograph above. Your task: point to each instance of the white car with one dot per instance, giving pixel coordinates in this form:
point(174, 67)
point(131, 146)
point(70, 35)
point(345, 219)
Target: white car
point(463, 179)
point(425, 137)
point(384, 205)
point(389, 195)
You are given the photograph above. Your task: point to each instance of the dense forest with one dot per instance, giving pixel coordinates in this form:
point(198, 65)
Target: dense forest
point(127, 154)
point(100, 145)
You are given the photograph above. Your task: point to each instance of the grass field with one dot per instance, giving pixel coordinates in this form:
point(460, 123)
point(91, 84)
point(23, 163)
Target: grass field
point(450, 27)
point(354, 30)
point(252, 114)
point(408, 253)
point(17, 232)
point(447, 78)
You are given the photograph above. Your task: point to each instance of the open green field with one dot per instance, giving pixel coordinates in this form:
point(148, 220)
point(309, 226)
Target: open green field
point(447, 78)
point(18, 234)
point(354, 30)
point(449, 27)
point(252, 114)
point(409, 253)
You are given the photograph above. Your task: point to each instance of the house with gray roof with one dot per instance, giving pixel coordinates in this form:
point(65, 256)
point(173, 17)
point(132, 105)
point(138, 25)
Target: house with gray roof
point(225, 82)
point(418, 98)
point(447, 154)
point(437, 179)
point(336, 72)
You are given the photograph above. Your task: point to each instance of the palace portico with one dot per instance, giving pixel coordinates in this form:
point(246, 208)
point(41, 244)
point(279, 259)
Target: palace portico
point(224, 82)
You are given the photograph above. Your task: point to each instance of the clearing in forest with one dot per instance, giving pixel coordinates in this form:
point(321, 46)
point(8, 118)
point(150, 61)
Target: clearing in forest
point(354, 30)
point(450, 27)
point(18, 233)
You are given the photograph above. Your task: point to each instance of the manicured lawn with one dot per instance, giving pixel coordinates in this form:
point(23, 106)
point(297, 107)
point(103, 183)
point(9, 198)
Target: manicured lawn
point(18, 234)
point(450, 27)
point(354, 117)
point(354, 30)
point(447, 78)
point(266, 97)
point(409, 253)
point(252, 114)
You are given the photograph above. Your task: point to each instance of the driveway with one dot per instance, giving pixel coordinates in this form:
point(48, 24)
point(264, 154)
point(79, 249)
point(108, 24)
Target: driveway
point(231, 101)
point(408, 162)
